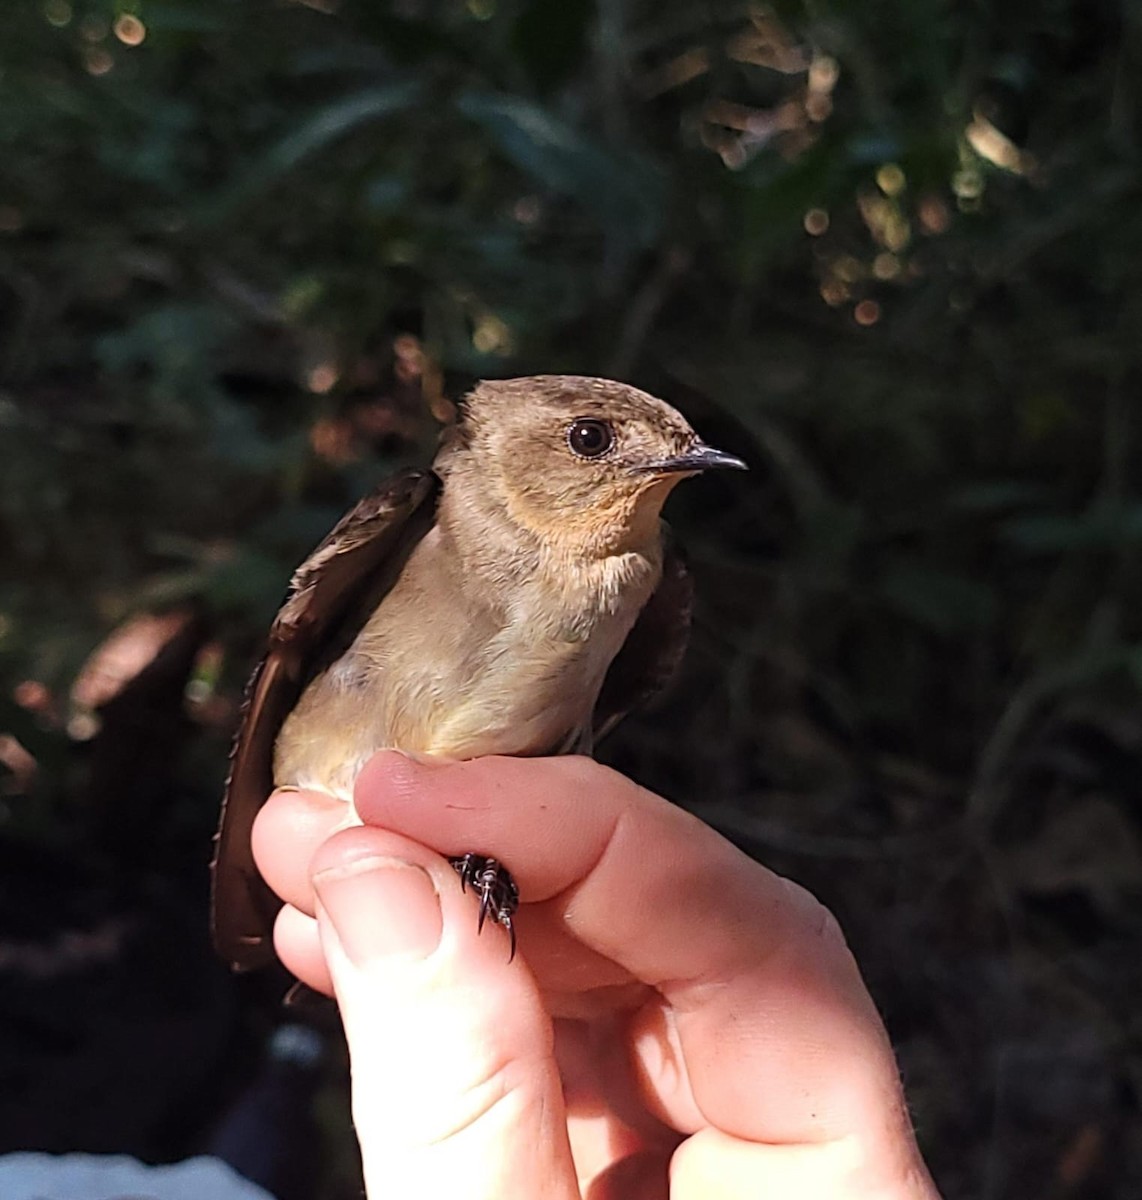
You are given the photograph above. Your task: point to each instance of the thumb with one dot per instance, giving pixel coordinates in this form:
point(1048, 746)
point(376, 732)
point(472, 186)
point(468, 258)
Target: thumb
point(455, 1087)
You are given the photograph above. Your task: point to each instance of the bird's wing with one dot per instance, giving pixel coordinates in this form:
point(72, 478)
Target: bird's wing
point(654, 647)
point(330, 596)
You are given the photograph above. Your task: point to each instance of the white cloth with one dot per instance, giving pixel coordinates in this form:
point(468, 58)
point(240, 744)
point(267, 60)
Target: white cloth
point(28, 1176)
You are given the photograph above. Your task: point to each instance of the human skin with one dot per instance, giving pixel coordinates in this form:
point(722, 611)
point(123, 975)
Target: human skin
point(679, 1021)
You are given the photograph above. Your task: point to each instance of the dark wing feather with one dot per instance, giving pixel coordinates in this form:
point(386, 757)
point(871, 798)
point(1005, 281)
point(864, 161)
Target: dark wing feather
point(330, 597)
point(654, 647)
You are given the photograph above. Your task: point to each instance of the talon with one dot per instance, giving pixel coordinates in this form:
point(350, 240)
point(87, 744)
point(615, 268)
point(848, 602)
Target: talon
point(499, 896)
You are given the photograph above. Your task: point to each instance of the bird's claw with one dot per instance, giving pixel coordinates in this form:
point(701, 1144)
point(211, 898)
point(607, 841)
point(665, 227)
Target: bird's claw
point(499, 896)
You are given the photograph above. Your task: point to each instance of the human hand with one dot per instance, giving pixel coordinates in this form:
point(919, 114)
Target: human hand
point(680, 1022)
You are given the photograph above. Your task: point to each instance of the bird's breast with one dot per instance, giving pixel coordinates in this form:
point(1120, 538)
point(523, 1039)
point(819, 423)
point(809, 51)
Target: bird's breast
point(438, 672)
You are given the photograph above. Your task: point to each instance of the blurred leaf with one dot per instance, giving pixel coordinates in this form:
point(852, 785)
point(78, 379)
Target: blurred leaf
point(1091, 847)
point(626, 195)
point(1101, 528)
point(551, 40)
point(185, 16)
point(938, 600)
point(991, 497)
point(320, 130)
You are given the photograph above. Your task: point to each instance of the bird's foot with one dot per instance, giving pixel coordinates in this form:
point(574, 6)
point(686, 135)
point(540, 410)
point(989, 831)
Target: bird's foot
point(499, 896)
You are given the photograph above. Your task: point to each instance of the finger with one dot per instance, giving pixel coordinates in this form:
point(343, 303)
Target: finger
point(297, 941)
point(775, 1038)
point(613, 1140)
point(455, 1086)
point(641, 1176)
point(293, 823)
point(287, 831)
point(714, 1166)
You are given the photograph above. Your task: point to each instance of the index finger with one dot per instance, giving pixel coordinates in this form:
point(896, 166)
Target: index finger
point(779, 1040)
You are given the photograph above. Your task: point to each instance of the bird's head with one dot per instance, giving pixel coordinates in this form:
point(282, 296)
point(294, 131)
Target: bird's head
point(582, 463)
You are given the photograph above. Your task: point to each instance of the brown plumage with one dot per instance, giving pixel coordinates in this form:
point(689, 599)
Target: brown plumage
point(518, 598)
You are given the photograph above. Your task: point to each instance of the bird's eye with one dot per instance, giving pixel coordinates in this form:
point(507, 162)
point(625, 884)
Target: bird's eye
point(589, 438)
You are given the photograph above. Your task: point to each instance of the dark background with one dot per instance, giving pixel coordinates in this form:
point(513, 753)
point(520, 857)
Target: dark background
point(888, 251)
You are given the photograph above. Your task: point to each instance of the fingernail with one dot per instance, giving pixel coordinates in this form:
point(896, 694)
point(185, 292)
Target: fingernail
point(380, 907)
point(424, 760)
point(324, 799)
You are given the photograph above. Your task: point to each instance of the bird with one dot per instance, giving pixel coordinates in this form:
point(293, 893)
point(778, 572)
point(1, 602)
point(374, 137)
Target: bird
point(518, 597)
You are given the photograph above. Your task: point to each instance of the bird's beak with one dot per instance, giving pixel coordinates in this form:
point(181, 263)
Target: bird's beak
point(699, 457)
